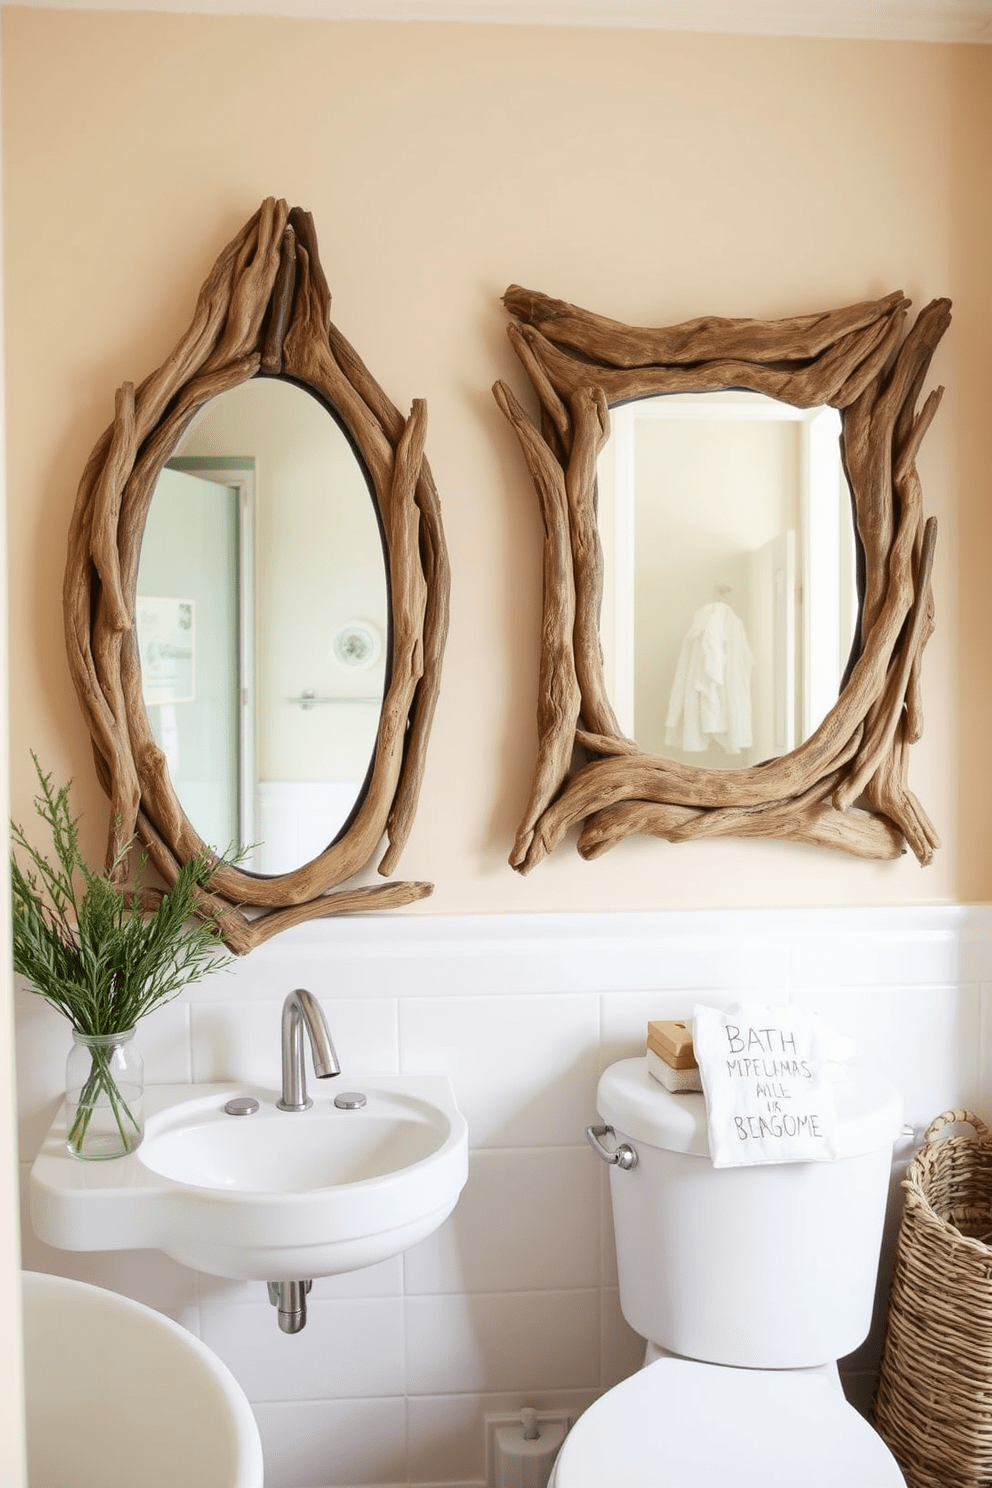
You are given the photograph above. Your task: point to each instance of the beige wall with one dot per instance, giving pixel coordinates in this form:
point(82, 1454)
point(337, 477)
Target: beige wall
point(970, 367)
point(651, 177)
point(13, 1468)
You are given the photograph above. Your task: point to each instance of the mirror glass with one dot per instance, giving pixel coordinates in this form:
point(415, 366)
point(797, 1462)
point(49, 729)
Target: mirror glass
point(730, 601)
point(262, 618)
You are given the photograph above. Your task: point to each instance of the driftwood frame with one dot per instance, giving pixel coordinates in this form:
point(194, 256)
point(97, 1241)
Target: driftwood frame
point(844, 787)
point(265, 308)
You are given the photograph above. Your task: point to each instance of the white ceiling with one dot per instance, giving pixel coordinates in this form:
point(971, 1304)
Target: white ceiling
point(906, 20)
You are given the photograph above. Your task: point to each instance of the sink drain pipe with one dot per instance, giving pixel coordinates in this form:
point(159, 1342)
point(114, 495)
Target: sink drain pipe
point(290, 1297)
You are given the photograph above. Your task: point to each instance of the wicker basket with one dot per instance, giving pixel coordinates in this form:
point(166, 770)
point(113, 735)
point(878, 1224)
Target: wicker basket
point(933, 1402)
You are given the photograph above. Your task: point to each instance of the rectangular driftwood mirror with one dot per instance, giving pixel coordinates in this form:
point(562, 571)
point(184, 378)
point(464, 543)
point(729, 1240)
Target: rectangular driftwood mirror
point(830, 765)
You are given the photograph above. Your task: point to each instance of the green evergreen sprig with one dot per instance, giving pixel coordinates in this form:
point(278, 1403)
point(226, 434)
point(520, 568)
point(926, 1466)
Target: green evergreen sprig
point(95, 952)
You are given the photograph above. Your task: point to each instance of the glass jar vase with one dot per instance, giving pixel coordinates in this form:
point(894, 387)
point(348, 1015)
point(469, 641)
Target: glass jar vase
point(104, 1095)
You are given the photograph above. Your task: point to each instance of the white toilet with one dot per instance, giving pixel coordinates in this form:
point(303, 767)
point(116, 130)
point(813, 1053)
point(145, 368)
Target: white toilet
point(749, 1284)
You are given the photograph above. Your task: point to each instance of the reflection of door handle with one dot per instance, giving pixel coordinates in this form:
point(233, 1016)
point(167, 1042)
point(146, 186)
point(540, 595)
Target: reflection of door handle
point(309, 699)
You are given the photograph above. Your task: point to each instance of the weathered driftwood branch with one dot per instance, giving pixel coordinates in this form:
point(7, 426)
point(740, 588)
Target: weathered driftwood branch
point(816, 826)
point(835, 377)
point(860, 360)
point(709, 338)
point(435, 629)
point(558, 709)
point(265, 305)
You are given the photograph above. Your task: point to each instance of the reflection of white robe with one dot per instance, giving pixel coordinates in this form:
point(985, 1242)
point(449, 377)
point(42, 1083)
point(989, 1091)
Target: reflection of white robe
point(711, 694)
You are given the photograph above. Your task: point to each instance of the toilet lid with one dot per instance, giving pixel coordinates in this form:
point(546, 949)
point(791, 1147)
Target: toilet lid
point(679, 1424)
point(869, 1111)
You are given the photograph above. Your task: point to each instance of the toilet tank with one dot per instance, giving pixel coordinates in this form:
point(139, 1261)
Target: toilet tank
point(769, 1267)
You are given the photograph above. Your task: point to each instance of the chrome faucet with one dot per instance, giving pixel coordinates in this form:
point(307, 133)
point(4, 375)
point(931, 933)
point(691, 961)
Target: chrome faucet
point(301, 1009)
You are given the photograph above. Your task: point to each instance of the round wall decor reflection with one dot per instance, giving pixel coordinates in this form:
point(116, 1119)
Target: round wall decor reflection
point(358, 644)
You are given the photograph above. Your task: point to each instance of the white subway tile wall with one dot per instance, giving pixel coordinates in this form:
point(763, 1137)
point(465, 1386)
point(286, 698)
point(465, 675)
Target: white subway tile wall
point(514, 1300)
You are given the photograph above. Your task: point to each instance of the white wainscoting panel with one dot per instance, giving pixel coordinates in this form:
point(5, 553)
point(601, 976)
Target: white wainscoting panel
point(514, 1300)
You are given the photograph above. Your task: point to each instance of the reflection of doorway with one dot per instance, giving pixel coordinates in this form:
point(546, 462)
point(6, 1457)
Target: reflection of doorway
point(771, 623)
point(731, 497)
point(829, 582)
point(615, 520)
point(196, 561)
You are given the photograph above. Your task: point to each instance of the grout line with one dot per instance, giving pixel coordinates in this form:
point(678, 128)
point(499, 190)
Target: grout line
point(405, 1346)
point(984, 1063)
point(501, 1292)
point(536, 1147)
point(188, 1018)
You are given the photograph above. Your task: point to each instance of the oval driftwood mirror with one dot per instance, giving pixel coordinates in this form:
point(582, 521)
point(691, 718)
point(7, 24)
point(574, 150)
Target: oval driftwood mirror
point(264, 312)
point(845, 786)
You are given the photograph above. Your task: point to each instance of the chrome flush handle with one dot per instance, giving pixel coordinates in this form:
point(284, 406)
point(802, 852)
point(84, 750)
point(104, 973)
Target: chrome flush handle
point(623, 1157)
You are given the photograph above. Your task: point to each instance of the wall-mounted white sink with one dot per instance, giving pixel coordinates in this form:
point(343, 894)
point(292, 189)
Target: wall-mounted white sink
point(271, 1196)
point(117, 1395)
